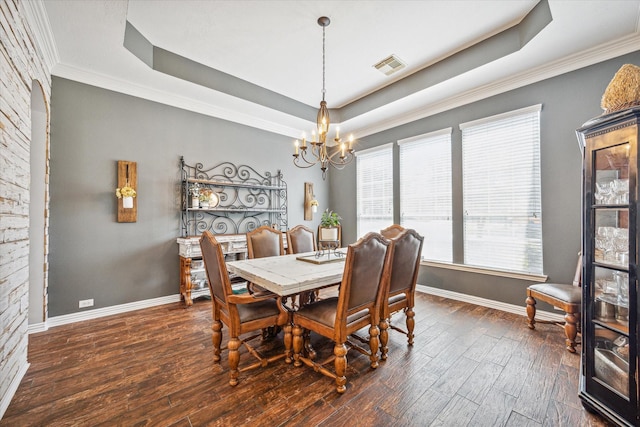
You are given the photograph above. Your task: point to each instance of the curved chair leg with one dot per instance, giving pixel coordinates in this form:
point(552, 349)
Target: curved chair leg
point(571, 330)
point(217, 339)
point(384, 338)
point(374, 344)
point(531, 312)
point(234, 360)
point(340, 352)
point(411, 323)
point(297, 345)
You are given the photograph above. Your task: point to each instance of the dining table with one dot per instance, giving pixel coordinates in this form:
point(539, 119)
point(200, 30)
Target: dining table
point(288, 275)
point(293, 275)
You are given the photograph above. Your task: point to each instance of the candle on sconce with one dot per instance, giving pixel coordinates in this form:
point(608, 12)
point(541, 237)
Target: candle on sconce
point(350, 142)
point(342, 149)
point(296, 147)
point(304, 140)
point(338, 132)
point(313, 135)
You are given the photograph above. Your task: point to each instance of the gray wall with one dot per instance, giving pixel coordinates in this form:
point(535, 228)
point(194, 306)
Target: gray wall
point(92, 255)
point(567, 102)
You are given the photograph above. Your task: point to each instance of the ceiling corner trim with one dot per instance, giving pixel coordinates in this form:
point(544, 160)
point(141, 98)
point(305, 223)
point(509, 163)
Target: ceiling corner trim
point(171, 99)
point(38, 20)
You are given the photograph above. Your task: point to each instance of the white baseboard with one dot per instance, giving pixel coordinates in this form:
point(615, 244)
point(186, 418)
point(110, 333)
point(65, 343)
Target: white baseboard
point(101, 312)
point(37, 327)
point(137, 305)
point(520, 310)
point(13, 387)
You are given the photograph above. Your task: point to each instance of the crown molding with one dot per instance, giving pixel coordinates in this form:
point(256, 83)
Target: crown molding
point(38, 20)
point(171, 99)
point(361, 126)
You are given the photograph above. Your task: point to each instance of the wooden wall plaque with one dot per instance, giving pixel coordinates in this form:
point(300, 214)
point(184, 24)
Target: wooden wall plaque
point(127, 175)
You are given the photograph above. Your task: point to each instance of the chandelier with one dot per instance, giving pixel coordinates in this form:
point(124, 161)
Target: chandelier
point(340, 153)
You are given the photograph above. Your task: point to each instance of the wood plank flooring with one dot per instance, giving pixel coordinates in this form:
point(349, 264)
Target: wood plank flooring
point(470, 366)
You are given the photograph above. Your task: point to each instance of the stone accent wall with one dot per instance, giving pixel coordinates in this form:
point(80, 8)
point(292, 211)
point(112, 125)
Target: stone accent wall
point(22, 67)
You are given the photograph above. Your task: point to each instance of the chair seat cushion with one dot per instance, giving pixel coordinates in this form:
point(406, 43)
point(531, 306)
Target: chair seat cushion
point(324, 312)
point(397, 298)
point(563, 292)
point(257, 310)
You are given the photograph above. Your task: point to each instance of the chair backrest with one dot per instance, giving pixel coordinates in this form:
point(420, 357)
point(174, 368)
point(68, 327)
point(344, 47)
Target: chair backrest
point(300, 239)
point(263, 242)
point(406, 261)
point(366, 276)
point(215, 268)
point(392, 231)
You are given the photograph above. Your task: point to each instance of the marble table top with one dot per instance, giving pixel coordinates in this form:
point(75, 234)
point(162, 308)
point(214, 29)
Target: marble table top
point(287, 275)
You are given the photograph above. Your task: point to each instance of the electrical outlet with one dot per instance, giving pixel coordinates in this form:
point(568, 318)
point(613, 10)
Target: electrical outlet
point(85, 303)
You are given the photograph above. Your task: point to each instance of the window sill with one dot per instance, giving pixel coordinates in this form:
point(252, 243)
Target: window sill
point(489, 271)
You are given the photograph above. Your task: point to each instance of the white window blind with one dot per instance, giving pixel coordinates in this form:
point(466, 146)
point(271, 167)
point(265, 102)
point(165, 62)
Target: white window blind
point(374, 192)
point(425, 191)
point(501, 191)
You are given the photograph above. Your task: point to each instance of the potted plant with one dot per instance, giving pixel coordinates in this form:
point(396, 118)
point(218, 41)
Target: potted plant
point(329, 223)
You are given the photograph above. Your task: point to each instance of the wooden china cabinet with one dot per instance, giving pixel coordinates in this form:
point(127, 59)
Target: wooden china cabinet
point(610, 304)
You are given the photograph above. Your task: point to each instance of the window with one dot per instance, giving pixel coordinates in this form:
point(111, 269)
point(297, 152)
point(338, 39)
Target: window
point(425, 191)
point(374, 191)
point(501, 191)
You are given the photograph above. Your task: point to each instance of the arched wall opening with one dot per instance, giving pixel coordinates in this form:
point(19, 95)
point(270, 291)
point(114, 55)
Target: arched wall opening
point(38, 155)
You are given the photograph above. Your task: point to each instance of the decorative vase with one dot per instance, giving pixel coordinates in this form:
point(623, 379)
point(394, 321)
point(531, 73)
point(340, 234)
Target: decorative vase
point(329, 234)
point(127, 202)
point(195, 202)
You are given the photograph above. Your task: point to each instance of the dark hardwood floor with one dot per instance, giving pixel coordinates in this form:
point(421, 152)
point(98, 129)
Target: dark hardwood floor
point(470, 366)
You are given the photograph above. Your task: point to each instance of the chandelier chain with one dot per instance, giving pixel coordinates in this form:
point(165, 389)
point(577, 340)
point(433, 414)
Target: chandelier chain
point(323, 62)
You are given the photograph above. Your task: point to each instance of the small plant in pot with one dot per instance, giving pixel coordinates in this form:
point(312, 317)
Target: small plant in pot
point(329, 223)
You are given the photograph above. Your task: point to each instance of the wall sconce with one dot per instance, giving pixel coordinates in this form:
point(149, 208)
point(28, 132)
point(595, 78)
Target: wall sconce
point(310, 202)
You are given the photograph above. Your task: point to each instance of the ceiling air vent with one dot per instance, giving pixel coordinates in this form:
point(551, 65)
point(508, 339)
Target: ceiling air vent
point(390, 65)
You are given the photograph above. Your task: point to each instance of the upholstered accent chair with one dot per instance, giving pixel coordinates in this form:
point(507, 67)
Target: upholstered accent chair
point(405, 265)
point(567, 297)
point(357, 305)
point(301, 239)
point(241, 314)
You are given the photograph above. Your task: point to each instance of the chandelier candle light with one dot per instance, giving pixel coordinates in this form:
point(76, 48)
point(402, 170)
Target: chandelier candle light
point(337, 155)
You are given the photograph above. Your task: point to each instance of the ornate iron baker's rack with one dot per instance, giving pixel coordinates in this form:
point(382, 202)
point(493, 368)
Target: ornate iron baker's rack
point(247, 199)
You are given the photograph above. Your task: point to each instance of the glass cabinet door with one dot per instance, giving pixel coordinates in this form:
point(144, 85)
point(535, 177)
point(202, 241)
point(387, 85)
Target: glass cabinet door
point(609, 278)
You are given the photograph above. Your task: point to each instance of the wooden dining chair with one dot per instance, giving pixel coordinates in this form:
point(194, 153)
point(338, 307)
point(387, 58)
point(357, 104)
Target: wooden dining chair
point(357, 305)
point(392, 231)
point(240, 313)
point(264, 241)
point(567, 297)
point(301, 239)
point(405, 265)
